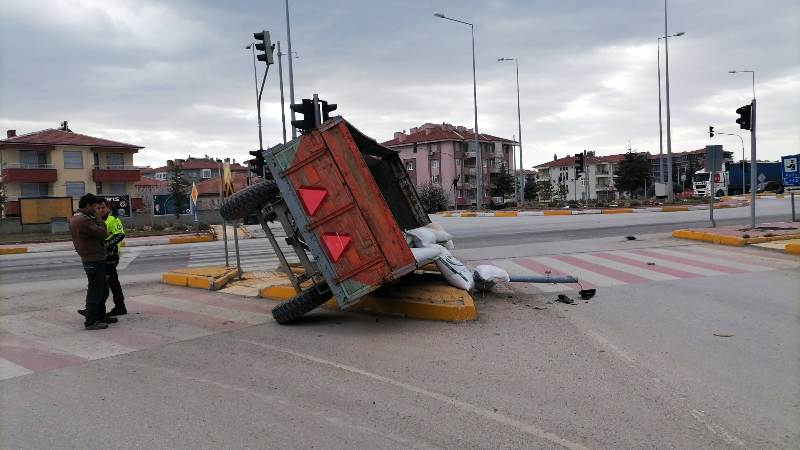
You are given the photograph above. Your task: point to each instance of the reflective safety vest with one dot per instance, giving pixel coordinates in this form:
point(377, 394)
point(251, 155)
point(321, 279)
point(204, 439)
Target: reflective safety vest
point(114, 228)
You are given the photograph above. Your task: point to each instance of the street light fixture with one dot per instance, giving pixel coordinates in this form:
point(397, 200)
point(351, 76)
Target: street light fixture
point(660, 128)
point(479, 161)
point(670, 191)
point(753, 162)
point(521, 182)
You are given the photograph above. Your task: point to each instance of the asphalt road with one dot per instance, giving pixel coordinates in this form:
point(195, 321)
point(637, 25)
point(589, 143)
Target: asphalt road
point(699, 350)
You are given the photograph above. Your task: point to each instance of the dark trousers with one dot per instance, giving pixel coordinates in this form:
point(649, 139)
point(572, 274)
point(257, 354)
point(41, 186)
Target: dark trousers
point(96, 291)
point(112, 279)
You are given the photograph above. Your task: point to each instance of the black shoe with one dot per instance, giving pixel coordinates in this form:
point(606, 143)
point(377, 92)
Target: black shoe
point(106, 319)
point(96, 326)
point(118, 311)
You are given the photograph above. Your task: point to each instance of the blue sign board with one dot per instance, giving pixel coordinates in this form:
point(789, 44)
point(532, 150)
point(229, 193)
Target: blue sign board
point(791, 172)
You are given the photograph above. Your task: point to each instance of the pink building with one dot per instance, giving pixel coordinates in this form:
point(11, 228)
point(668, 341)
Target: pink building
point(443, 154)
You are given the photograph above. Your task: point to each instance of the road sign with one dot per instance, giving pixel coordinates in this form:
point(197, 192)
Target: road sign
point(713, 159)
point(164, 205)
point(791, 173)
point(120, 205)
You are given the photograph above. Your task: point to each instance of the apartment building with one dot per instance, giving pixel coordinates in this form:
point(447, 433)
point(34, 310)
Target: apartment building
point(195, 170)
point(58, 162)
point(445, 154)
point(598, 173)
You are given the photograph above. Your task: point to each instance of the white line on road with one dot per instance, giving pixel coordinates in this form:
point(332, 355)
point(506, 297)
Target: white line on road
point(10, 370)
point(464, 406)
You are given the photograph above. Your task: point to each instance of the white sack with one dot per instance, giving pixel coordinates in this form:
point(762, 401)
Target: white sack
point(448, 245)
point(454, 271)
point(438, 231)
point(491, 274)
point(422, 237)
point(426, 255)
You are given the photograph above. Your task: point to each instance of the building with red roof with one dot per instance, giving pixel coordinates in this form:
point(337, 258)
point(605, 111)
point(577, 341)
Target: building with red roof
point(443, 154)
point(58, 162)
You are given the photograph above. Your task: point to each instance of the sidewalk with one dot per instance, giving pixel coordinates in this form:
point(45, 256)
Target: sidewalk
point(39, 247)
point(740, 235)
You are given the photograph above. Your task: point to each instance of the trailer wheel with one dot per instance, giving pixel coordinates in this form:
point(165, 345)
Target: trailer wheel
point(252, 198)
point(291, 310)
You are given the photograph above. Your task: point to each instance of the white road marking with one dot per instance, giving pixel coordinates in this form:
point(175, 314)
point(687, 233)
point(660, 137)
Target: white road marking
point(127, 257)
point(10, 370)
point(530, 429)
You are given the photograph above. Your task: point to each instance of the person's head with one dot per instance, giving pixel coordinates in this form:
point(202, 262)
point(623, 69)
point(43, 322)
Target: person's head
point(88, 201)
point(101, 210)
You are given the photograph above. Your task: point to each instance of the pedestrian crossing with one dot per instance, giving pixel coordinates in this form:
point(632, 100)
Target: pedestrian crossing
point(50, 339)
point(640, 266)
point(253, 258)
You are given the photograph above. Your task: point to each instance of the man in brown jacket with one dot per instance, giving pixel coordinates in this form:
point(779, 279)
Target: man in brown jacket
point(88, 236)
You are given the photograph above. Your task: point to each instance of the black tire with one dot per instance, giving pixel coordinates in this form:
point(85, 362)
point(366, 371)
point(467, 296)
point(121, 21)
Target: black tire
point(250, 199)
point(291, 310)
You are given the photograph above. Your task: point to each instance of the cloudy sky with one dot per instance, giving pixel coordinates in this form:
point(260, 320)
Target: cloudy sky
point(174, 76)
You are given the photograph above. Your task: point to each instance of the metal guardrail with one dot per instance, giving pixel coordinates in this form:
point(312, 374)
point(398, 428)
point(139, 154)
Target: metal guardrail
point(27, 166)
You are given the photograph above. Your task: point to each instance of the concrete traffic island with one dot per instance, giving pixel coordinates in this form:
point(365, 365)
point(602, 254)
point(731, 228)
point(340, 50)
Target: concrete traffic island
point(741, 235)
point(423, 295)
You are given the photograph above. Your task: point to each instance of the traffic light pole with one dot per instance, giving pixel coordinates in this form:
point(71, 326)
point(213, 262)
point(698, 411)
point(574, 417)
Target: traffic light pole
point(753, 164)
point(291, 72)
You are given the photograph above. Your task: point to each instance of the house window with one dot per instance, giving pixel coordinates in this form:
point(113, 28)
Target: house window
point(205, 173)
point(435, 164)
point(117, 187)
point(33, 190)
point(415, 147)
point(73, 160)
point(161, 175)
point(75, 188)
point(458, 163)
point(410, 166)
point(31, 159)
point(435, 179)
point(115, 161)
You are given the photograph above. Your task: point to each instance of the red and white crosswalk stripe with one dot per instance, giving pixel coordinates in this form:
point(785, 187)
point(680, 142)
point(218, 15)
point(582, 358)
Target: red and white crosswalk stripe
point(638, 266)
point(51, 339)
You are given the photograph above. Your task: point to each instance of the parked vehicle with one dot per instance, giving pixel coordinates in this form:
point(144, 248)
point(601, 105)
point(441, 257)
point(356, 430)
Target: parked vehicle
point(343, 200)
point(729, 181)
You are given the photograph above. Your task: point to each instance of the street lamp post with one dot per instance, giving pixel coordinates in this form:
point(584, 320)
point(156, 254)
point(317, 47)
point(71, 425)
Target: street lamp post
point(521, 183)
point(743, 159)
point(670, 193)
point(479, 163)
point(753, 163)
point(280, 78)
point(660, 128)
point(291, 72)
point(251, 46)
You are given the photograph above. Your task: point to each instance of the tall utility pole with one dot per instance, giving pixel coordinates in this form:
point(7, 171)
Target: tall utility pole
point(280, 77)
point(258, 100)
point(670, 193)
point(521, 181)
point(478, 158)
point(291, 72)
point(660, 128)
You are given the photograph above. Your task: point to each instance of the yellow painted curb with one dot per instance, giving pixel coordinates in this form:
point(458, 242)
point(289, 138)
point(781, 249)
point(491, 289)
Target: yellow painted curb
point(505, 214)
point(176, 279)
point(279, 292)
point(792, 248)
point(559, 212)
point(446, 214)
point(674, 208)
point(191, 239)
point(13, 250)
point(425, 300)
point(468, 214)
point(617, 211)
point(210, 278)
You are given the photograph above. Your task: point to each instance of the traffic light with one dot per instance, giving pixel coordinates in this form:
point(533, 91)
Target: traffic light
point(710, 131)
point(327, 108)
point(578, 164)
point(306, 108)
point(256, 165)
point(264, 46)
point(744, 117)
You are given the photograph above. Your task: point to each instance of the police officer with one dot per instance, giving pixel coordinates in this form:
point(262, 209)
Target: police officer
point(115, 236)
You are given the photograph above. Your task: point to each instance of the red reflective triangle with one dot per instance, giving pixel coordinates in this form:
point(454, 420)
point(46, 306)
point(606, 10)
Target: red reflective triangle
point(312, 197)
point(336, 243)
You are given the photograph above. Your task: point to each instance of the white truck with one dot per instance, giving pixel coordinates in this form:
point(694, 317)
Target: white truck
point(731, 180)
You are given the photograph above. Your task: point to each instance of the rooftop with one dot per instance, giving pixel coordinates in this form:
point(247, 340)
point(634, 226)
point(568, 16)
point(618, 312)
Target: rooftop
point(433, 132)
point(54, 136)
